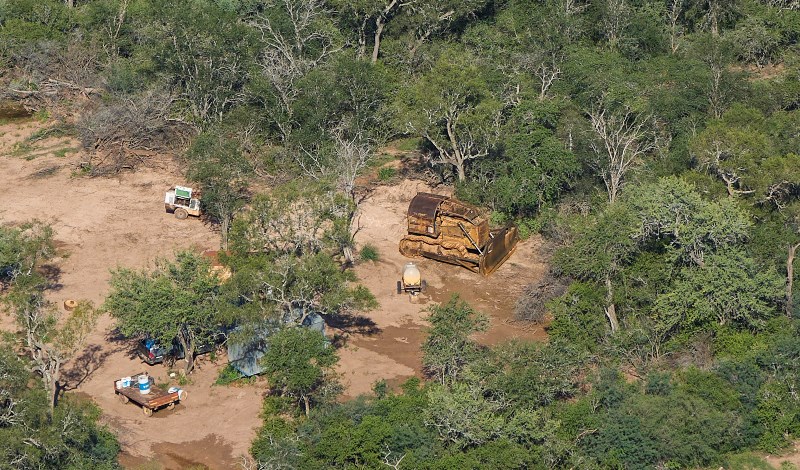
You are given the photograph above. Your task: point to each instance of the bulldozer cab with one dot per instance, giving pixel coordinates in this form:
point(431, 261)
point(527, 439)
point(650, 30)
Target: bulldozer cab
point(422, 214)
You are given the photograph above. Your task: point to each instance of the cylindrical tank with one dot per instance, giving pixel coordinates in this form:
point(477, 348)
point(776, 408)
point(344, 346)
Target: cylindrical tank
point(144, 384)
point(411, 275)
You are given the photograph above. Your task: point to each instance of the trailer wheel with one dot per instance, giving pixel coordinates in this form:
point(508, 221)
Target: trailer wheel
point(181, 213)
point(423, 286)
point(171, 406)
point(147, 411)
point(399, 287)
point(123, 398)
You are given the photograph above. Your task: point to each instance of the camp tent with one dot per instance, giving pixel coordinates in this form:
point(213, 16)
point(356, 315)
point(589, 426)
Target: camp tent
point(247, 344)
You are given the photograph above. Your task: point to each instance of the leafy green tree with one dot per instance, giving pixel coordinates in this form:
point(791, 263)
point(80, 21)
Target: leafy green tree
point(449, 348)
point(532, 170)
point(728, 288)
point(732, 147)
point(464, 416)
point(369, 18)
point(283, 258)
point(201, 51)
point(531, 374)
point(579, 317)
point(218, 164)
point(672, 210)
point(176, 301)
point(32, 436)
point(296, 38)
point(299, 363)
point(454, 109)
point(602, 247)
point(49, 338)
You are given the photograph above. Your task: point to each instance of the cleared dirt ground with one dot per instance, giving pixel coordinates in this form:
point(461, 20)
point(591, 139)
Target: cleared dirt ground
point(102, 223)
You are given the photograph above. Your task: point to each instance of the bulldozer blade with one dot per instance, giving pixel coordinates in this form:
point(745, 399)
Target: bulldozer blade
point(499, 249)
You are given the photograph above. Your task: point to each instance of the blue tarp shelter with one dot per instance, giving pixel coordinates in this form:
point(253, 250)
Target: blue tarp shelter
point(248, 344)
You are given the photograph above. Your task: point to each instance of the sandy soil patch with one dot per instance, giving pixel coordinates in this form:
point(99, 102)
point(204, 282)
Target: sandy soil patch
point(99, 224)
point(397, 327)
point(102, 223)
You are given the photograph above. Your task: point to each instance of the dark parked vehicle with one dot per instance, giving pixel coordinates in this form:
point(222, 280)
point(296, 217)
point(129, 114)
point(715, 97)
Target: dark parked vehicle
point(153, 353)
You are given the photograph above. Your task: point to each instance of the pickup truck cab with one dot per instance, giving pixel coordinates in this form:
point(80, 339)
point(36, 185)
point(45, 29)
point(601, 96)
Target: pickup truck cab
point(152, 353)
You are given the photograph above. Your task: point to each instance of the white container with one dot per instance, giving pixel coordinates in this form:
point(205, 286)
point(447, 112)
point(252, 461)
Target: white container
point(118, 384)
point(411, 275)
point(144, 384)
point(126, 382)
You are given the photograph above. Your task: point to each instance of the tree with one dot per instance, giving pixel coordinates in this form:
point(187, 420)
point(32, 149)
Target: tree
point(731, 146)
point(433, 17)
point(619, 143)
point(372, 14)
point(454, 110)
point(672, 211)
point(296, 37)
point(757, 44)
point(47, 338)
point(33, 435)
point(218, 164)
point(299, 362)
point(602, 247)
point(532, 169)
point(714, 14)
point(449, 348)
point(729, 288)
point(283, 257)
point(176, 301)
point(615, 18)
point(203, 52)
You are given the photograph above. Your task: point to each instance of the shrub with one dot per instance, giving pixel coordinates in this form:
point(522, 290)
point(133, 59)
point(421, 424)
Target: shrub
point(227, 375)
point(369, 253)
point(386, 173)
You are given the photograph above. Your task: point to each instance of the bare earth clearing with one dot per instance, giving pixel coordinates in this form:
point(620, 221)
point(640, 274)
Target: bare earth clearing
point(102, 223)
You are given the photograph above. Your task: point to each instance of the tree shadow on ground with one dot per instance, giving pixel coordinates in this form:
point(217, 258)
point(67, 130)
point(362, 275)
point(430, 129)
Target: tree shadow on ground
point(352, 324)
point(83, 366)
point(52, 275)
point(122, 343)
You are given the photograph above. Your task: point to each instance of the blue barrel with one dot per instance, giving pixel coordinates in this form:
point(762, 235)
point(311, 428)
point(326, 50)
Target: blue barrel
point(144, 384)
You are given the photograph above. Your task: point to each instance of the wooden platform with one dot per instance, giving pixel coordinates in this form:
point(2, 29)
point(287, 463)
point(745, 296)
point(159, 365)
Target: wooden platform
point(150, 402)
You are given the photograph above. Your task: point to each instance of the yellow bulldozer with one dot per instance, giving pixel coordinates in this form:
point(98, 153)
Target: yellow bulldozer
point(446, 229)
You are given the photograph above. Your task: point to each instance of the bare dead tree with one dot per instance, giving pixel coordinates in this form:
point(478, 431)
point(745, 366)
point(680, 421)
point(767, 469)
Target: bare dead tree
point(545, 65)
point(112, 29)
point(619, 143)
point(674, 11)
point(392, 461)
point(615, 19)
point(790, 279)
point(290, 54)
point(783, 4)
